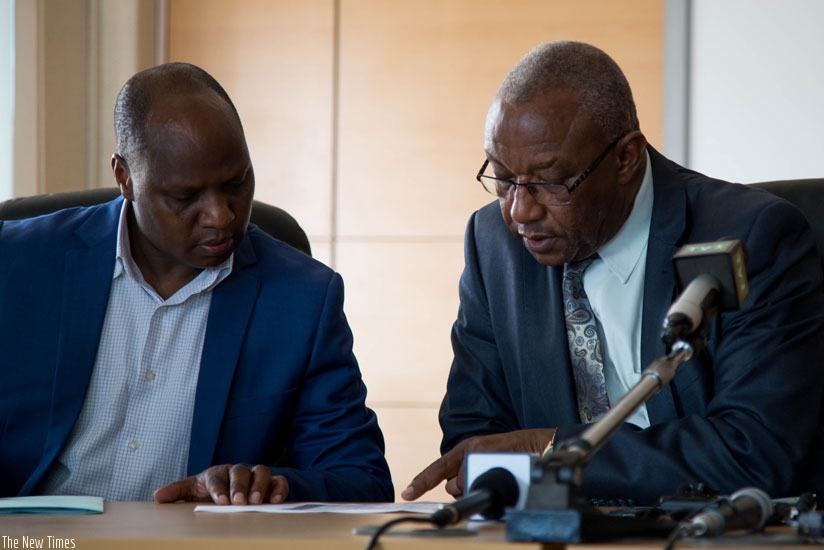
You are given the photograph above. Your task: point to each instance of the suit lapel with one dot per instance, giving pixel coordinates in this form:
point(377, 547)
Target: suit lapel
point(668, 225)
point(232, 303)
point(556, 400)
point(87, 281)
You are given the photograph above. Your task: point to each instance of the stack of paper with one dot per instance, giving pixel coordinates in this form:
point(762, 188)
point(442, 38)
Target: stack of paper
point(57, 504)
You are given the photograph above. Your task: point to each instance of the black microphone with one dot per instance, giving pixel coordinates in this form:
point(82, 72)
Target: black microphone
point(747, 509)
point(490, 494)
point(713, 277)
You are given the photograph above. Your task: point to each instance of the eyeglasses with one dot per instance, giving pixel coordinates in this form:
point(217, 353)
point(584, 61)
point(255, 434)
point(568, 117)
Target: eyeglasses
point(554, 194)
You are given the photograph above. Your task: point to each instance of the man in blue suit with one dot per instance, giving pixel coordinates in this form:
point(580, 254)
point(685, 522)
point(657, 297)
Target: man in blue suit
point(158, 346)
point(579, 189)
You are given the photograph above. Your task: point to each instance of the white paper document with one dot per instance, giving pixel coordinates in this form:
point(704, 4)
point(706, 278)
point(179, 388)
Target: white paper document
point(327, 507)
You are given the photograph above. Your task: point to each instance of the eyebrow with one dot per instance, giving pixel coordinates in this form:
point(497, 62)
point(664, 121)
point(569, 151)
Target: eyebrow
point(535, 168)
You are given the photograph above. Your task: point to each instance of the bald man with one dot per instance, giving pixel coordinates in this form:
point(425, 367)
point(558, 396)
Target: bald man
point(159, 346)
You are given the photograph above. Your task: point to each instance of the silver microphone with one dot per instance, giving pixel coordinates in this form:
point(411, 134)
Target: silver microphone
point(746, 510)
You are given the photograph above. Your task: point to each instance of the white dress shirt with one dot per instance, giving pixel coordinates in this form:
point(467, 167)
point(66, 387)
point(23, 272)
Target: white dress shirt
point(614, 284)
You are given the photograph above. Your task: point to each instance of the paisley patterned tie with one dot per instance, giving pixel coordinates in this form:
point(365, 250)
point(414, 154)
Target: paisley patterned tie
point(584, 348)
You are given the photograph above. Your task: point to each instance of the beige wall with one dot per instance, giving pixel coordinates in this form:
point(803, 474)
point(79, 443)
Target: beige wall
point(365, 121)
point(65, 83)
point(71, 58)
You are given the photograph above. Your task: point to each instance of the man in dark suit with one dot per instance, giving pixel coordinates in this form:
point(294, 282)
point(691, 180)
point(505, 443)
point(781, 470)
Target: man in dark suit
point(580, 190)
point(158, 346)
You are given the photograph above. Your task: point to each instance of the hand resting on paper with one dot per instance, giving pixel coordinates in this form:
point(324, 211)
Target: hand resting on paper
point(228, 484)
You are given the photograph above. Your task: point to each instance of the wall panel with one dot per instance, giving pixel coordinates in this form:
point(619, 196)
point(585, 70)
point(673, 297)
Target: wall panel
point(401, 301)
point(755, 99)
point(65, 81)
point(274, 57)
point(417, 79)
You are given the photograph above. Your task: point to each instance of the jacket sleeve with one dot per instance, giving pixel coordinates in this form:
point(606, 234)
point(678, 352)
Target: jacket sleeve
point(477, 400)
point(336, 449)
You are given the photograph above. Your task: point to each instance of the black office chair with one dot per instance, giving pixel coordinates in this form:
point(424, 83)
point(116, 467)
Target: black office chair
point(275, 221)
point(808, 196)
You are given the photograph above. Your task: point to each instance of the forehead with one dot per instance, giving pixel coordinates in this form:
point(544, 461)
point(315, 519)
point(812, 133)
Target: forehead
point(551, 130)
point(196, 128)
point(203, 111)
point(549, 117)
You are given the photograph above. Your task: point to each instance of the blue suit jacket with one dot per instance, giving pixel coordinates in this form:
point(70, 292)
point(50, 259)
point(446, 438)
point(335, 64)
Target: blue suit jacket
point(278, 384)
point(745, 412)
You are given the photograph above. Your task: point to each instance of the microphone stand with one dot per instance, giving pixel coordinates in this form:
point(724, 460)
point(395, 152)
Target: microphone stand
point(554, 512)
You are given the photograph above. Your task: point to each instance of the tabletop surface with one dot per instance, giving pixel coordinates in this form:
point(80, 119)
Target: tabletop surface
point(134, 525)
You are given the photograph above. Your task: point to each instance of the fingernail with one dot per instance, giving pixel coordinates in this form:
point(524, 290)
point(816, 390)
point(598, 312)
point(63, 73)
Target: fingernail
point(255, 498)
point(237, 498)
point(407, 493)
point(277, 499)
point(223, 499)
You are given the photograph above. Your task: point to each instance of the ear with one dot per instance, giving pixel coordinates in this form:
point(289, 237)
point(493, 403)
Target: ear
point(123, 177)
point(631, 156)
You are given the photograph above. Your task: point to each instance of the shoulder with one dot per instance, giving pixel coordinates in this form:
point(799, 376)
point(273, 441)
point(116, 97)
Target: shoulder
point(278, 261)
point(776, 234)
point(734, 206)
point(715, 206)
point(63, 228)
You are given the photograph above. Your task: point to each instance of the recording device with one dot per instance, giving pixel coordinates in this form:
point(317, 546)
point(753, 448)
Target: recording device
point(712, 277)
point(746, 510)
point(490, 495)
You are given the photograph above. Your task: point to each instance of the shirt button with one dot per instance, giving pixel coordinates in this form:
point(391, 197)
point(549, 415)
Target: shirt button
point(133, 444)
point(150, 375)
point(161, 309)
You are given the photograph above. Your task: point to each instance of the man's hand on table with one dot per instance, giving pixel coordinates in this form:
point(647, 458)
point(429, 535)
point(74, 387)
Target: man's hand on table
point(228, 484)
point(450, 466)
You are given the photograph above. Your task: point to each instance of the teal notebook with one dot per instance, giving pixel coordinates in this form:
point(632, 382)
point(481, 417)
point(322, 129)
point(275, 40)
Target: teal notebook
point(47, 504)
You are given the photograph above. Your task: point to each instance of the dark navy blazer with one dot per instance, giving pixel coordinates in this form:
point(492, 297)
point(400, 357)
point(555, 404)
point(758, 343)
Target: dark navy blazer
point(745, 412)
point(278, 384)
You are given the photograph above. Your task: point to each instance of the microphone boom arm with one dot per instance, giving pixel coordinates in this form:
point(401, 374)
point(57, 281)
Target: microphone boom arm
point(656, 376)
point(556, 474)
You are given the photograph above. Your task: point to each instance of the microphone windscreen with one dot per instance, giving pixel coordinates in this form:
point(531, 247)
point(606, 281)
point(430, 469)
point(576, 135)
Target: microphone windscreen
point(726, 260)
point(504, 488)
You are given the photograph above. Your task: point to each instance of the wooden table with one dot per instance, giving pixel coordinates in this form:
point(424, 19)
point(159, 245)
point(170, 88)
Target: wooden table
point(143, 525)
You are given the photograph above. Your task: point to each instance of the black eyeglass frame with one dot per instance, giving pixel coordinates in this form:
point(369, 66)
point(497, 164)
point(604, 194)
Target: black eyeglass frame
point(513, 185)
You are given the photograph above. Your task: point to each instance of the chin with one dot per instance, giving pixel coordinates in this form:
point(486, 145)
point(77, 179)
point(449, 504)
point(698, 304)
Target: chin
point(549, 260)
point(210, 261)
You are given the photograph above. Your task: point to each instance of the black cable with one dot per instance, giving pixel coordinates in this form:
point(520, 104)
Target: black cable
point(385, 527)
point(676, 535)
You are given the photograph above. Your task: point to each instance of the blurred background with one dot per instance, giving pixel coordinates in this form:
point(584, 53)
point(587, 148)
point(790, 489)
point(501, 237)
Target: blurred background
point(365, 122)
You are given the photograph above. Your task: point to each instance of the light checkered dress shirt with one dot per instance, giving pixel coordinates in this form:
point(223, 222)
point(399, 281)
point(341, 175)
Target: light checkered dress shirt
point(133, 432)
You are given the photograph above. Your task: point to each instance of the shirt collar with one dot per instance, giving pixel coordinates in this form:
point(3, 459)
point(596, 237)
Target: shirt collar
point(622, 253)
point(124, 264)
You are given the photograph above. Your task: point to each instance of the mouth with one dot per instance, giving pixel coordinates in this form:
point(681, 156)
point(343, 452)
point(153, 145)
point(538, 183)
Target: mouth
point(216, 247)
point(538, 243)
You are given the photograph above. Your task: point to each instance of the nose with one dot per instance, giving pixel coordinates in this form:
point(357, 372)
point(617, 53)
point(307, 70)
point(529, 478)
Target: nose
point(216, 211)
point(524, 208)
